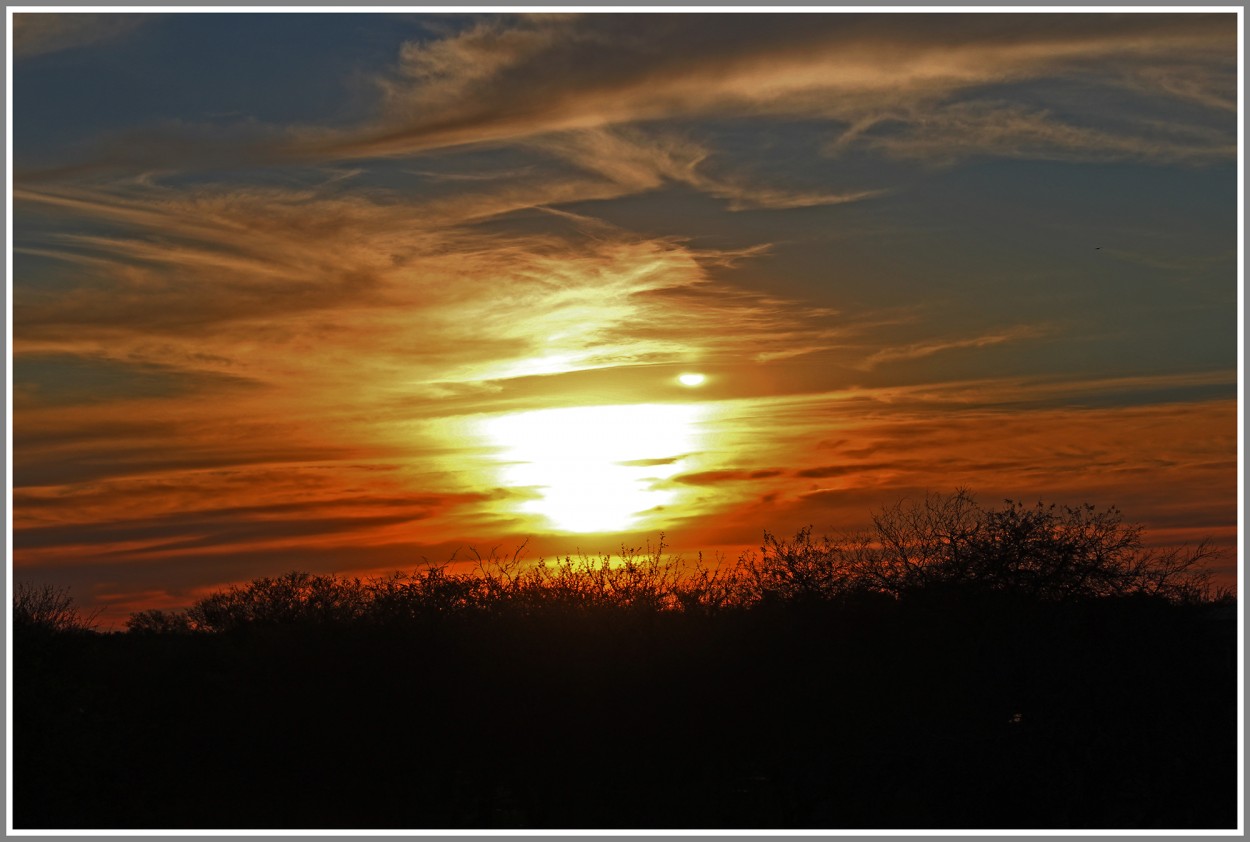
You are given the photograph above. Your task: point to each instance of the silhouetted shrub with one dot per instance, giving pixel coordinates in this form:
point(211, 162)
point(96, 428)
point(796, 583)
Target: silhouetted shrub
point(155, 621)
point(801, 570)
point(294, 599)
point(422, 595)
point(47, 609)
point(708, 590)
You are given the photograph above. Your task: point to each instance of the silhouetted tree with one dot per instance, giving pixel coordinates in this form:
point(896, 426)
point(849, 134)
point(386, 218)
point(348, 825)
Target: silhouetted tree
point(1050, 553)
point(1042, 552)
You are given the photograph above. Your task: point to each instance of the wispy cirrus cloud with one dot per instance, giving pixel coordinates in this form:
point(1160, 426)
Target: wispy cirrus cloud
point(638, 162)
point(926, 86)
point(918, 350)
point(506, 78)
point(205, 279)
point(943, 133)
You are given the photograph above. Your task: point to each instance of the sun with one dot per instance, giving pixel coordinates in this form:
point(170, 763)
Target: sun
point(596, 468)
point(691, 379)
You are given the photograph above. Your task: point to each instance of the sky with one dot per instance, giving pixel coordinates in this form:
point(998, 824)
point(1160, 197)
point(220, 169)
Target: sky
point(352, 293)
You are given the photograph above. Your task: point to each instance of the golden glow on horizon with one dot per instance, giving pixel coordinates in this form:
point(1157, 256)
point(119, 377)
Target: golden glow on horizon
point(596, 468)
point(691, 379)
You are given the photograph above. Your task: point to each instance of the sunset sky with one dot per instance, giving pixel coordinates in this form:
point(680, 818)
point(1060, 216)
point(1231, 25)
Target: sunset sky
point(340, 292)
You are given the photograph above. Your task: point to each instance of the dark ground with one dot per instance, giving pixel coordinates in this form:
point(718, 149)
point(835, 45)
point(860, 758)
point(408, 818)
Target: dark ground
point(929, 713)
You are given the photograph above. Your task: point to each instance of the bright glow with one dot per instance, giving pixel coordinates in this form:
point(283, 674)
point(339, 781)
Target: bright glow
point(553, 363)
point(595, 468)
point(691, 379)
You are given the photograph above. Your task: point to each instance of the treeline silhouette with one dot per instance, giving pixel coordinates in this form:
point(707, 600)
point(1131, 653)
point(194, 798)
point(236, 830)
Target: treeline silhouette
point(954, 667)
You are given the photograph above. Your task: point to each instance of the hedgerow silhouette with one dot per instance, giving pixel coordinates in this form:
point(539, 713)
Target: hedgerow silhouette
point(940, 544)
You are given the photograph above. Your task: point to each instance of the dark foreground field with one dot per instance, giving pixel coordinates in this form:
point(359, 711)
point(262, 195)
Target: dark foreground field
point(881, 716)
point(794, 701)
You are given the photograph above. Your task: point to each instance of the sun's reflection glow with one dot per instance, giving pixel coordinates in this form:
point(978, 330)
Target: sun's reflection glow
point(596, 468)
